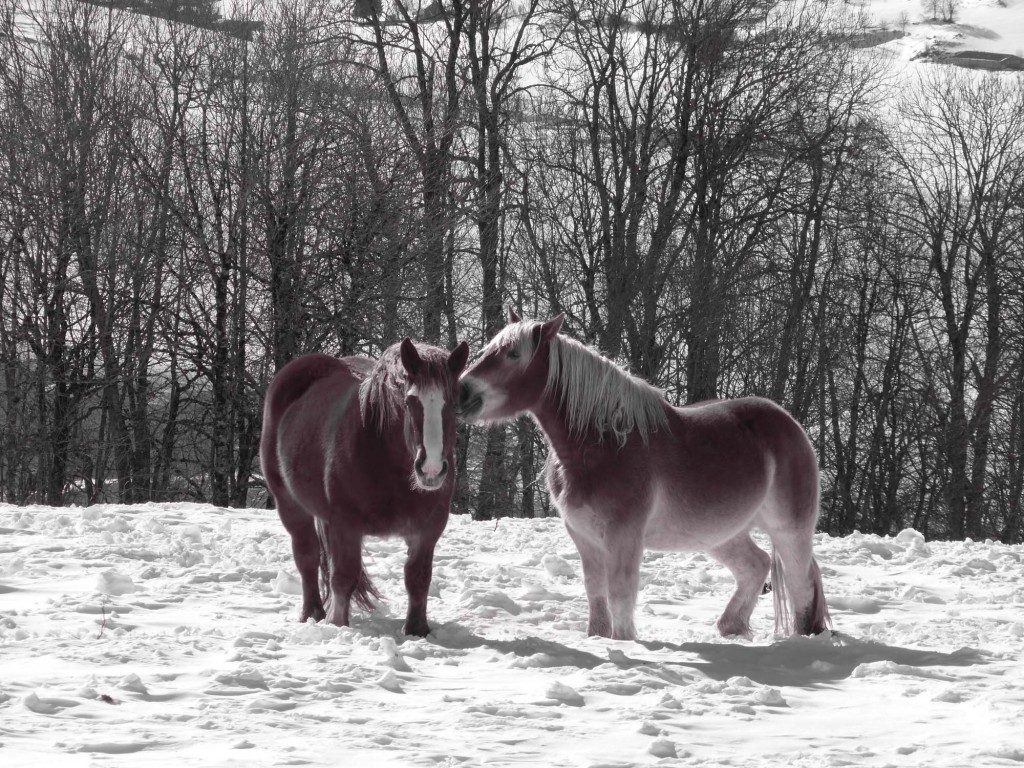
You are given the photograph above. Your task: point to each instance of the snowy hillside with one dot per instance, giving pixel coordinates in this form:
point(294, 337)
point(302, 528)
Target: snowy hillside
point(167, 635)
point(985, 26)
point(988, 26)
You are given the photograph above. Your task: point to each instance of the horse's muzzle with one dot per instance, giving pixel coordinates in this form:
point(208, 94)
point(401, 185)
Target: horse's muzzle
point(430, 482)
point(471, 401)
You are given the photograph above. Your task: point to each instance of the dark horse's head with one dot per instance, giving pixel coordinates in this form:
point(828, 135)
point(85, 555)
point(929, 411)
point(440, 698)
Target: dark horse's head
point(511, 373)
point(431, 394)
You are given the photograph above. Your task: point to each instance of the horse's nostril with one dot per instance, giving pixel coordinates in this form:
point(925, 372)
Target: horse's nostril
point(470, 401)
point(444, 467)
point(468, 392)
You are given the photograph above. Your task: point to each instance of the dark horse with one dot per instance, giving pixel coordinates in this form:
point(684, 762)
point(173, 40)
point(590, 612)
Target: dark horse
point(352, 448)
point(628, 472)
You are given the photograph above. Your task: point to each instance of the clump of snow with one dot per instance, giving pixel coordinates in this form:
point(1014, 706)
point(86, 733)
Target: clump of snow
point(557, 567)
point(49, 705)
point(287, 583)
point(908, 537)
point(132, 683)
point(663, 748)
point(389, 682)
point(484, 601)
point(564, 694)
point(855, 603)
point(114, 582)
point(241, 678)
point(392, 657)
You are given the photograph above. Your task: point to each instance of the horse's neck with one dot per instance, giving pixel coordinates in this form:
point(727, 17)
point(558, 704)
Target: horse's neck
point(389, 441)
point(555, 424)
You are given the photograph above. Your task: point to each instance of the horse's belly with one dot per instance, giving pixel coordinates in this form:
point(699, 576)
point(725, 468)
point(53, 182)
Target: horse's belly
point(675, 525)
point(664, 532)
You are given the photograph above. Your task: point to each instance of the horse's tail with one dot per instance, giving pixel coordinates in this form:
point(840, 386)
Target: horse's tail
point(365, 594)
point(815, 618)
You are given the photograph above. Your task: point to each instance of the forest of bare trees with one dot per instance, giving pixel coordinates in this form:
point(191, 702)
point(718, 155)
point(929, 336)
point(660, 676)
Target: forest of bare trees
point(719, 194)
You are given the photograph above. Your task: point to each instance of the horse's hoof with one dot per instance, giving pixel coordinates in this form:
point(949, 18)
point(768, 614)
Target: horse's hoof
point(416, 628)
point(733, 627)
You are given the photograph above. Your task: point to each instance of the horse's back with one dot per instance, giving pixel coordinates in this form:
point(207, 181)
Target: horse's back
point(737, 423)
point(721, 431)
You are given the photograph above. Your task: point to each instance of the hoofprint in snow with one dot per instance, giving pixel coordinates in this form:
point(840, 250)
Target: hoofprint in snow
point(167, 635)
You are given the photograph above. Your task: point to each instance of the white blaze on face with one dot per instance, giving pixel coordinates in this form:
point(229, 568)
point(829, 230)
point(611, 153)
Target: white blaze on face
point(433, 431)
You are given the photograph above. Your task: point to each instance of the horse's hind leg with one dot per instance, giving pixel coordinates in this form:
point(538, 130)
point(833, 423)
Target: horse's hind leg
point(789, 516)
point(796, 583)
point(749, 565)
point(306, 551)
point(345, 565)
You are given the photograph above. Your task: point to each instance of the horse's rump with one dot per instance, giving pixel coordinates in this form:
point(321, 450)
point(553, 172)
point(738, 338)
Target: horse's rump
point(295, 379)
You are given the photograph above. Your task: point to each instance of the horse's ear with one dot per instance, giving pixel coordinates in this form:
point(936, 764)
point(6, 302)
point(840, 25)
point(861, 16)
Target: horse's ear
point(550, 329)
point(458, 358)
point(410, 357)
point(513, 316)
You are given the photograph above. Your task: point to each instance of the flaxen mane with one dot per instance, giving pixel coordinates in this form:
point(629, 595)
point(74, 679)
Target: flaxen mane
point(596, 392)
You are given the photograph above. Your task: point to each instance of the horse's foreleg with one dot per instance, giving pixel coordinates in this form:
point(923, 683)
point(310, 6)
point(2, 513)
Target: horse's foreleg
point(595, 581)
point(306, 551)
point(749, 565)
point(419, 566)
point(625, 551)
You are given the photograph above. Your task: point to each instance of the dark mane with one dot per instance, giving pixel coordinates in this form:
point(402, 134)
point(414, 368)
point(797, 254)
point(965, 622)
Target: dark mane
point(382, 393)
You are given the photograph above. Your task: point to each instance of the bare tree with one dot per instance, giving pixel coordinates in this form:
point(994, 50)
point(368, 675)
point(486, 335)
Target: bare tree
point(71, 91)
point(962, 151)
point(502, 39)
point(419, 67)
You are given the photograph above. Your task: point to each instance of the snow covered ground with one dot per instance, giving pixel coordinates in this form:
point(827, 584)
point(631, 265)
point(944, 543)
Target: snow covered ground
point(167, 635)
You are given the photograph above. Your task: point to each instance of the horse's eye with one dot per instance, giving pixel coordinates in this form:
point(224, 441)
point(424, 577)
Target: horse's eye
point(513, 354)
